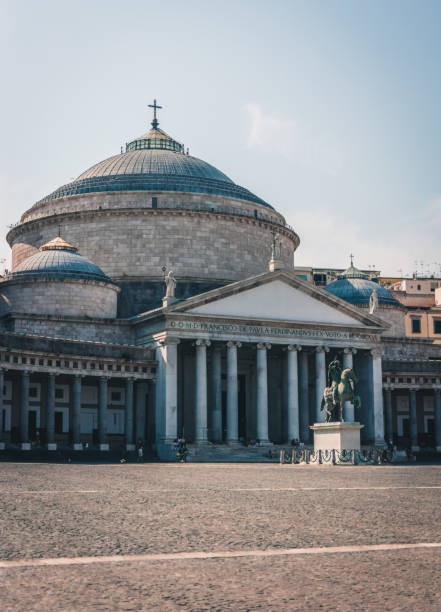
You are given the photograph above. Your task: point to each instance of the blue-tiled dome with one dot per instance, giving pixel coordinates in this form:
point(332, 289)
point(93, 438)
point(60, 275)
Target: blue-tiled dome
point(58, 259)
point(154, 162)
point(355, 287)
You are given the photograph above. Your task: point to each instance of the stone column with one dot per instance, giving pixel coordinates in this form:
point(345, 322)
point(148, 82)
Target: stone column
point(232, 393)
point(216, 394)
point(24, 407)
point(2, 384)
point(389, 416)
point(102, 413)
point(377, 397)
point(262, 393)
point(167, 391)
point(76, 412)
point(320, 382)
point(348, 362)
point(437, 406)
point(201, 420)
point(50, 412)
point(413, 420)
point(141, 393)
point(128, 415)
point(293, 393)
point(304, 397)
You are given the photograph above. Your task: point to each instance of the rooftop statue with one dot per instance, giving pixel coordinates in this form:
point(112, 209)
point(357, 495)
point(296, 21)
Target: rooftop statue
point(341, 389)
point(170, 283)
point(373, 302)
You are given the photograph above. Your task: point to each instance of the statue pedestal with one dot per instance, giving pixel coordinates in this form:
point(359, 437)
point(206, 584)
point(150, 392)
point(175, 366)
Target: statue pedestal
point(338, 436)
point(168, 301)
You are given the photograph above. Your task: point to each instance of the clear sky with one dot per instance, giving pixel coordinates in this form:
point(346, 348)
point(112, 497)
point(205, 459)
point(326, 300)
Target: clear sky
point(329, 110)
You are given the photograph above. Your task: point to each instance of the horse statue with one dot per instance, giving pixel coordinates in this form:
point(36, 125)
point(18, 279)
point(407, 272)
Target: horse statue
point(341, 390)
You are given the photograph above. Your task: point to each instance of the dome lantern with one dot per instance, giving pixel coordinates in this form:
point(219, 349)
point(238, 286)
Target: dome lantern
point(155, 138)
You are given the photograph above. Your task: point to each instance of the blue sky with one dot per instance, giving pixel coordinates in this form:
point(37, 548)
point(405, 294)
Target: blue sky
point(328, 110)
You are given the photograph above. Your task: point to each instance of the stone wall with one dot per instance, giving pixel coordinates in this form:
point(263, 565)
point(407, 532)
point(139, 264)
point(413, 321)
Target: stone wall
point(139, 242)
point(143, 199)
point(58, 327)
point(409, 349)
point(83, 298)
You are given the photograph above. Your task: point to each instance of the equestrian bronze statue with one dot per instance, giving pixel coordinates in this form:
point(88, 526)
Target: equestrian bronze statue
point(341, 389)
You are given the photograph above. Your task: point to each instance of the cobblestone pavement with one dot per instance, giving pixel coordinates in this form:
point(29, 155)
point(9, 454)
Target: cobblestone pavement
point(63, 511)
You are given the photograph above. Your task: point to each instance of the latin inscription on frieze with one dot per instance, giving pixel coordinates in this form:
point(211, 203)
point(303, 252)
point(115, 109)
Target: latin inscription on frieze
point(261, 330)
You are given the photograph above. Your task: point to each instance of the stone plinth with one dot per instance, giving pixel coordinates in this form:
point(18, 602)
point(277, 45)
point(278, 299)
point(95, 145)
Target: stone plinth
point(168, 301)
point(337, 436)
point(51, 446)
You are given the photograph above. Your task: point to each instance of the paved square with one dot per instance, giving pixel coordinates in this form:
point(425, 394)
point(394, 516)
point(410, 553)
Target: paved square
point(219, 537)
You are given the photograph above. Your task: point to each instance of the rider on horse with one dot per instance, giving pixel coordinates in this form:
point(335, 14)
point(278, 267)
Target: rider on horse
point(334, 377)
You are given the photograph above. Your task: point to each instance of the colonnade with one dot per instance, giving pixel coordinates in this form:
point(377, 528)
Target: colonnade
point(134, 412)
point(208, 390)
point(413, 420)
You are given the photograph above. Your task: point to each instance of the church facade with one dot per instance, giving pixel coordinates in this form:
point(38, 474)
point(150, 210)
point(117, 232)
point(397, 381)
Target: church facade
point(153, 298)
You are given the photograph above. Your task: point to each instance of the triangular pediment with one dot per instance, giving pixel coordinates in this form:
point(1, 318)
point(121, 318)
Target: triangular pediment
point(281, 296)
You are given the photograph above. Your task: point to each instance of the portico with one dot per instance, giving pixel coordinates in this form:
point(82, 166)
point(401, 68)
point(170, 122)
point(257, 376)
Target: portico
point(226, 376)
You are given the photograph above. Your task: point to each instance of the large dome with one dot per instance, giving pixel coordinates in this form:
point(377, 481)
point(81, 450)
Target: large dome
point(154, 162)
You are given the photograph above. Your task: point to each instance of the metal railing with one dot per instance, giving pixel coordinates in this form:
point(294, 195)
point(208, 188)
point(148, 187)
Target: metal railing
point(372, 456)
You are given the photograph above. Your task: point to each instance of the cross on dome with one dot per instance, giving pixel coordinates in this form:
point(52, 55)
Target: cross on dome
point(155, 106)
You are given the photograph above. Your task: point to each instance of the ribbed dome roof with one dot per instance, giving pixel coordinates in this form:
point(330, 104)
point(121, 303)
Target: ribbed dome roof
point(354, 287)
point(154, 162)
point(58, 259)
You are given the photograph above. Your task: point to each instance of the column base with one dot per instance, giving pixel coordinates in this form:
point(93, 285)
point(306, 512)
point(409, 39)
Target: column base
point(414, 449)
point(130, 447)
point(2, 445)
point(264, 443)
point(26, 446)
point(438, 449)
point(202, 442)
point(233, 442)
point(51, 446)
point(104, 447)
point(78, 447)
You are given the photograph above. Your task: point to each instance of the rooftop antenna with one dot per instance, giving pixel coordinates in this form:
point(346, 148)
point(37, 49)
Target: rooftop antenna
point(59, 231)
point(155, 106)
point(352, 260)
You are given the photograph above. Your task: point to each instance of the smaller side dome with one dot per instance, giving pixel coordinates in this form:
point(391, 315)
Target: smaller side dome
point(58, 281)
point(355, 287)
point(58, 259)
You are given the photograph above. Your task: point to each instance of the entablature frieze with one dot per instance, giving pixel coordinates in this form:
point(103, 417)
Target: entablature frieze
point(217, 329)
point(39, 363)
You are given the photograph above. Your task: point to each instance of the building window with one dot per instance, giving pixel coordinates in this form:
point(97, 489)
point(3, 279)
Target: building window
point(33, 392)
point(419, 287)
point(437, 326)
point(59, 393)
point(154, 202)
point(416, 325)
point(115, 396)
